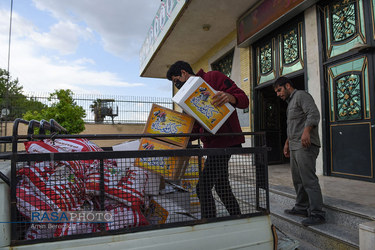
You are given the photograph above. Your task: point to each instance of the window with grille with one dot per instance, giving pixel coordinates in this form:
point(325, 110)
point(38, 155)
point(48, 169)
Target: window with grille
point(224, 64)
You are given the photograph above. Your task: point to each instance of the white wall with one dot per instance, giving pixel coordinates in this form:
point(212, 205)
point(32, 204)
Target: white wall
point(313, 69)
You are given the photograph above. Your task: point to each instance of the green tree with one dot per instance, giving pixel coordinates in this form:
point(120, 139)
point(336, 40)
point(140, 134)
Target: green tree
point(96, 108)
point(65, 111)
point(12, 98)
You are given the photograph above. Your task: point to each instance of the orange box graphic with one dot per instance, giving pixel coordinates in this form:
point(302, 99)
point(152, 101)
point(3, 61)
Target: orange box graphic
point(170, 167)
point(162, 120)
point(195, 98)
point(192, 169)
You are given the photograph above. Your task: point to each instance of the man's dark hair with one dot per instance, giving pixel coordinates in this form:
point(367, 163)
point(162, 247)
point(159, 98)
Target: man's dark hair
point(281, 81)
point(175, 69)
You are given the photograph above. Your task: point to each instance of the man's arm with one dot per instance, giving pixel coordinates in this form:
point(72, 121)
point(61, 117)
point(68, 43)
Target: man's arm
point(310, 109)
point(286, 149)
point(228, 91)
point(312, 118)
point(305, 138)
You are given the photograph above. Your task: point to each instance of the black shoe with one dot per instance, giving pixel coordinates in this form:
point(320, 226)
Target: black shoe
point(313, 220)
point(294, 211)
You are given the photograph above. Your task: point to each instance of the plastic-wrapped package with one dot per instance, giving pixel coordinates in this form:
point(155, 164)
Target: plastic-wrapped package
point(56, 184)
point(68, 185)
point(124, 216)
point(28, 200)
point(61, 145)
point(127, 188)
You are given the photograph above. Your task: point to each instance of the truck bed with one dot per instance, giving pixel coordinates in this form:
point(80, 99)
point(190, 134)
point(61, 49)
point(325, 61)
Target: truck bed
point(151, 207)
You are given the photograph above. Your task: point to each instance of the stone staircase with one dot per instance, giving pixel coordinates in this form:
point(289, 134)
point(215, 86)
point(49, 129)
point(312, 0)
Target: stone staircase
point(340, 232)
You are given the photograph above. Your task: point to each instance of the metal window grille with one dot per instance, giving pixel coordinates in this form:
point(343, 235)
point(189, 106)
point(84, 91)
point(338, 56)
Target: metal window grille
point(224, 64)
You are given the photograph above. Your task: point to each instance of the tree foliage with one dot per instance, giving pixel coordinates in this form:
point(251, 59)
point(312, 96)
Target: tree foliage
point(65, 111)
point(96, 108)
point(12, 98)
point(103, 108)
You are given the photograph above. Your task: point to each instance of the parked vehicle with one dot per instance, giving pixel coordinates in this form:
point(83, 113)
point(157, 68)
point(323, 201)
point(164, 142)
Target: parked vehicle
point(64, 191)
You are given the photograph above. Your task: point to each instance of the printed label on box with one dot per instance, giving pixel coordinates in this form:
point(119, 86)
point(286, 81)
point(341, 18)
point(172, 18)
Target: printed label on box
point(162, 120)
point(171, 167)
point(192, 170)
point(156, 213)
point(195, 98)
point(189, 184)
point(200, 103)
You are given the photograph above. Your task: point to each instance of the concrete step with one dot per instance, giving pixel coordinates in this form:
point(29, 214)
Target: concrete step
point(298, 243)
point(341, 230)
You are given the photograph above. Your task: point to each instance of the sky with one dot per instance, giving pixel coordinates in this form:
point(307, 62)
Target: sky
point(87, 46)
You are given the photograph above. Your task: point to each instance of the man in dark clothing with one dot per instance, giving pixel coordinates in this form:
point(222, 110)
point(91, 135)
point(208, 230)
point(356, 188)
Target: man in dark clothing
point(302, 146)
point(215, 172)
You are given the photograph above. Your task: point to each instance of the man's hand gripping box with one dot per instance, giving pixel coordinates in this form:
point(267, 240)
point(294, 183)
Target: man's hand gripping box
point(195, 98)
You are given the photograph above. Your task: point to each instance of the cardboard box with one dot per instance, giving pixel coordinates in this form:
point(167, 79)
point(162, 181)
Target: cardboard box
point(162, 120)
point(158, 214)
point(195, 205)
point(192, 169)
point(190, 185)
point(170, 167)
point(169, 208)
point(178, 196)
point(126, 146)
point(154, 184)
point(195, 98)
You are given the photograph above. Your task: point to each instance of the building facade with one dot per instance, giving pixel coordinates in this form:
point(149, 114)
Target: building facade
point(324, 47)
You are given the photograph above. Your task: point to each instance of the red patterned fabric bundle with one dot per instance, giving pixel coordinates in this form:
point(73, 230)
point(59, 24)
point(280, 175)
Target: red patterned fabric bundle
point(66, 185)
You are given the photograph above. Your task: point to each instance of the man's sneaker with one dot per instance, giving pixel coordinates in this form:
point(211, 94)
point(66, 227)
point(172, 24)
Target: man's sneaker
point(294, 211)
point(313, 220)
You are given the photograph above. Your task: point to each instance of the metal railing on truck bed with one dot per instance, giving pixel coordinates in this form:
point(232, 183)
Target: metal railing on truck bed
point(66, 187)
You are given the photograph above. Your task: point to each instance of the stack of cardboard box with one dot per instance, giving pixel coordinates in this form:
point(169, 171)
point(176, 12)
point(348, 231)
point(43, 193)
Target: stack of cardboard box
point(162, 120)
point(190, 180)
point(168, 204)
point(195, 98)
point(165, 203)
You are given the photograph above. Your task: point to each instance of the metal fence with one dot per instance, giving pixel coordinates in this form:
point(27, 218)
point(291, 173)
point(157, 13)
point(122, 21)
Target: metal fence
point(49, 191)
point(125, 109)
